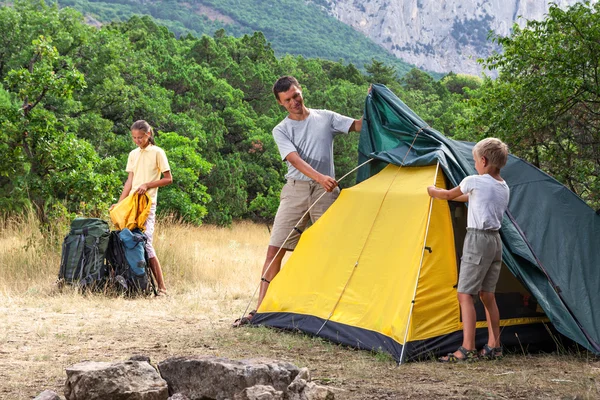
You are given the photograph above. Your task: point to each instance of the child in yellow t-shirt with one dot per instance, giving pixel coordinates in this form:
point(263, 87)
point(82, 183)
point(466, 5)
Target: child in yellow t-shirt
point(145, 165)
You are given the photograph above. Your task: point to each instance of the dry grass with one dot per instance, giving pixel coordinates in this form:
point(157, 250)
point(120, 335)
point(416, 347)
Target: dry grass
point(28, 260)
point(211, 274)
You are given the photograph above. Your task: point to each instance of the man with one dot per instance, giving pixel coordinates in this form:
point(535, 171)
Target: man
point(305, 141)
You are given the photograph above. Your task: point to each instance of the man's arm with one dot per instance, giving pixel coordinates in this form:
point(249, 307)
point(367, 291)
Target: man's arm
point(356, 125)
point(453, 194)
point(327, 182)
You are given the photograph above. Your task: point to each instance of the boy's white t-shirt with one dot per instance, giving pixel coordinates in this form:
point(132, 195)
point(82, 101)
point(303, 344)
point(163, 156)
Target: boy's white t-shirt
point(488, 200)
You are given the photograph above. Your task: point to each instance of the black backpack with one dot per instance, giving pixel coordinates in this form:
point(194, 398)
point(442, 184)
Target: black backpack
point(82, 258)
point(128, 263)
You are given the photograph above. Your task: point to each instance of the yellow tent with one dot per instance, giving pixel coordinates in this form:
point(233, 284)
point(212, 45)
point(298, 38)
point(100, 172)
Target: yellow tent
point(379, 270)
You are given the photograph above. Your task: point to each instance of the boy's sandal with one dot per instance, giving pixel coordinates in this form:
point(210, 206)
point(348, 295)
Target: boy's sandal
point(246, 320)
point(491, 353)
point(468, 355)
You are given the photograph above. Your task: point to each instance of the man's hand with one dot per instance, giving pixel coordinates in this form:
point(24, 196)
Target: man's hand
point(327, 182)
point(431, 190)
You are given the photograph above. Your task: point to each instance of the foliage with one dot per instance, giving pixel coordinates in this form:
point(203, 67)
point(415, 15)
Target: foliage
point(43, 164)
point(314, 32)
point(187, 196)
point(70, 91)
point(461, 83)
point(546, 101)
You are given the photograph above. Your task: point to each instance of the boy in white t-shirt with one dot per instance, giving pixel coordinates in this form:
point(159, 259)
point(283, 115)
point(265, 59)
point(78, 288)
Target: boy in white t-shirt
point(488, 195)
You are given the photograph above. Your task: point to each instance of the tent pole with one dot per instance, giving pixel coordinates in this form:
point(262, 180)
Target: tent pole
point(412, 303)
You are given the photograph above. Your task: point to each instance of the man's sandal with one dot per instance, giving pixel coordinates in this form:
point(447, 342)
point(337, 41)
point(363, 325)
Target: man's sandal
point(491, 353)
point(468, 355)
point(246, 320)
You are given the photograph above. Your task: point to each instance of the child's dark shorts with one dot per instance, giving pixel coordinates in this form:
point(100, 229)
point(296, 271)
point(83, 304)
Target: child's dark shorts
point(481, 262)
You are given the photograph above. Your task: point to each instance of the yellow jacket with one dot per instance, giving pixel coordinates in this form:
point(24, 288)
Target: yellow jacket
point(131, 212)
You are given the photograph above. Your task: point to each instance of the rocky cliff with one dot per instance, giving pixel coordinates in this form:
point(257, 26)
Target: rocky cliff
point(439, 35)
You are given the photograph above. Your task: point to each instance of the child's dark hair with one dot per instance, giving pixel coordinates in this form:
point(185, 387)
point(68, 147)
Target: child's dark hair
point(143, 126)
point(284, 84)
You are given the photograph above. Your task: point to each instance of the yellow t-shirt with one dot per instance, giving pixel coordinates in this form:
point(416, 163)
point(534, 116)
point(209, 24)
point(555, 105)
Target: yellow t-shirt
point(147, 165)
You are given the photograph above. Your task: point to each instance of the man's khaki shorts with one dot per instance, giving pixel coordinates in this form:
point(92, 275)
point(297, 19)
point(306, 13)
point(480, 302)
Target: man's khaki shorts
point(296, 197)
point(480, 262)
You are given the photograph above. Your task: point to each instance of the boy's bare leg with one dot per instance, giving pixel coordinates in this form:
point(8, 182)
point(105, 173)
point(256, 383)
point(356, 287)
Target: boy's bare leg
point(157, 272)
point(469, 319)
point(492, 316)
point(467, 311)
point(274, 257)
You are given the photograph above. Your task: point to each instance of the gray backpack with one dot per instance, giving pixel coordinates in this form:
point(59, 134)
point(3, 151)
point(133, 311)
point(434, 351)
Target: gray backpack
point(83, 251)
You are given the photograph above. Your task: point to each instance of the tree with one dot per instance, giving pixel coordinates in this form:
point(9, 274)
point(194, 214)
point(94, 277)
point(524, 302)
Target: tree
point(546, 101)
point(416, 79)
point(187, 198)
point(49, 166)
point(461, 83)
point(378, 72)
point(69, 93)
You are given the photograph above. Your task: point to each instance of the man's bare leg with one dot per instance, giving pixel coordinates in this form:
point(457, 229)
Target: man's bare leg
point(274, 257)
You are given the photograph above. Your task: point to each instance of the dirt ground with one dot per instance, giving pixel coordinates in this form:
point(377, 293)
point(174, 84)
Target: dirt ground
point(41, 334)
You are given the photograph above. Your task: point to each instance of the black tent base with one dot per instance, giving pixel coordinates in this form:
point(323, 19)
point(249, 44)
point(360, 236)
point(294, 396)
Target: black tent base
point(517, 339)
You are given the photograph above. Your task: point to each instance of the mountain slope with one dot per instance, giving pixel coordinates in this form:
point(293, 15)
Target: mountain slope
point(439, 35)
point(291, 26)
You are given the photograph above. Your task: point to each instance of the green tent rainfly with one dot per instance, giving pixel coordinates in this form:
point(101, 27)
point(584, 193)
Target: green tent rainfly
point(551, 237)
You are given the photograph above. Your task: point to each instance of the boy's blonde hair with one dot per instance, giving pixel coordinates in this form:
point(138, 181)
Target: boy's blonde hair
point(494, 150)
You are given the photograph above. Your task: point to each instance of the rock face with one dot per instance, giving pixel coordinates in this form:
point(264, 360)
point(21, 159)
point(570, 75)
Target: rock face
point(439, 35)
point(205, 377)
point(128, 380)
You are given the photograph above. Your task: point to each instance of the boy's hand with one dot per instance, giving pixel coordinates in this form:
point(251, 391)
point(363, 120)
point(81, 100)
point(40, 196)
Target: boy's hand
point(111, 207)
point(431, 190)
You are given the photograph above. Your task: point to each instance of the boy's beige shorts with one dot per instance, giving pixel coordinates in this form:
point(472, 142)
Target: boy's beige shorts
point(296, 197)
point(480, 262)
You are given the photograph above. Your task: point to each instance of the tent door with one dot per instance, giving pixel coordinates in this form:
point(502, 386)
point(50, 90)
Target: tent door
point(514, 300)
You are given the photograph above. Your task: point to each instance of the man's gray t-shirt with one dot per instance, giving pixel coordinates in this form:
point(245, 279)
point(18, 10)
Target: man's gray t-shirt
point(312, 138)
